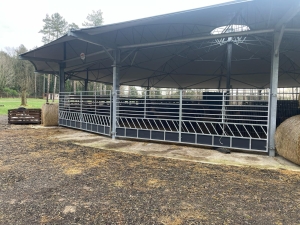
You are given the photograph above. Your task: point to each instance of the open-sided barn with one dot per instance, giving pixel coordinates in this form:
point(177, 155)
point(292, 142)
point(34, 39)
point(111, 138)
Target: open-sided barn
point(248, 44)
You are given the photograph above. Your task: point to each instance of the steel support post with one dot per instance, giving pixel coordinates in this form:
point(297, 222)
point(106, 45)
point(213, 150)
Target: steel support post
point(116, 89)
point(61, 77)
point(62, 67)
point(61, 87)
point(223, 107)
point(86, 81)
point(80, 117)
point(180, 114)
point(145, 104)
point(229, 57)
point(273, 94)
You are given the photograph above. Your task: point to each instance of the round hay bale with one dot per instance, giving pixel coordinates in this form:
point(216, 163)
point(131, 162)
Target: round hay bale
point(50, 114)
point(287, 139)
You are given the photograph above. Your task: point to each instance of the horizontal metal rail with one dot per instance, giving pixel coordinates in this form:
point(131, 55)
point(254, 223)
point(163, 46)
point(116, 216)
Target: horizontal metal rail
point(90, 111)
point(238, 119)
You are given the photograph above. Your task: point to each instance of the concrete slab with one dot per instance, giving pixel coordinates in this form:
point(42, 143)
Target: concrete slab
point(190, 153)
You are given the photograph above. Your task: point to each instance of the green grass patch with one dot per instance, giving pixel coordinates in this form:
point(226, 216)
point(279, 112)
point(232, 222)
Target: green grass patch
point(14, 103)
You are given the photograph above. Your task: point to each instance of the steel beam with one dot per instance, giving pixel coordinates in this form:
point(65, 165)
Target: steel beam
point(186, 40)
point(61, 77)
point(279, 31)
point(86, 81)
point(293, 11)
point(90, 39)
point(278, 40)
point(229, 59)
point(292, 30)
point(273, 95)
point(180, 115)
point(31, 58)
point(116, 89)
point(87, 55)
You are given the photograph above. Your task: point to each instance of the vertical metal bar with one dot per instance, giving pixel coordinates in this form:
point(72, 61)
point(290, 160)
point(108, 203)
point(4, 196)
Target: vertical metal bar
point(268, 120)
point(110, 110)
point(61, 71)
point(223, 108)
point(86, 81)
point(116, 87)
point(180, 114)
point(145, 104)
point(95, 103)
point(229, 57)
point(80, 116)
point(61, 85)
point(273, 95)
point(61, 77)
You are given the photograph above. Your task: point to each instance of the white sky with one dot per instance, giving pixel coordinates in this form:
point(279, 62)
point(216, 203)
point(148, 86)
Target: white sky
point(21, 20)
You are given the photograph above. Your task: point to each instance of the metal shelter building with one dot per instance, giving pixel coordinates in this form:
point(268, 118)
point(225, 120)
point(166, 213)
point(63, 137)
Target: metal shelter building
point(251, 44)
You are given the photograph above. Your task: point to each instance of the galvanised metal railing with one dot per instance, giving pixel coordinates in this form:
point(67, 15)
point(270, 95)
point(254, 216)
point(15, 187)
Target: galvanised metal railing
point(218, 119)
point(90, 111)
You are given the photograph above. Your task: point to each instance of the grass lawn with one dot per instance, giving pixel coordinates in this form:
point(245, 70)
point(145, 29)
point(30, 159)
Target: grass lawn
point(14, 103)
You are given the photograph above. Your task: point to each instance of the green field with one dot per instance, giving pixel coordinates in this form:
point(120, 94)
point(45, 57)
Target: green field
point(14, 103)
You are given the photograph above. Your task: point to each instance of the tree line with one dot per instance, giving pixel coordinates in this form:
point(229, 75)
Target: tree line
point(17, 77)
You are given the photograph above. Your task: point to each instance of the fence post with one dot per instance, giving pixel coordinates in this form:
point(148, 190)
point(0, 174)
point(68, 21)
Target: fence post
point(95, 101)
point(180, 114)
point(80, 118)
point(110, 111)
point(116, 87)
point(223, 107)
point(145, 105)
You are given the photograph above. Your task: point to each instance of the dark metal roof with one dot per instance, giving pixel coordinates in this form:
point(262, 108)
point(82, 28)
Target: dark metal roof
point(178, 49)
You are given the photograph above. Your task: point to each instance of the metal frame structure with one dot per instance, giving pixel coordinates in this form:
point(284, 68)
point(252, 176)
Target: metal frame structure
point(220, 119)
point(89, 111)
point(181, 50)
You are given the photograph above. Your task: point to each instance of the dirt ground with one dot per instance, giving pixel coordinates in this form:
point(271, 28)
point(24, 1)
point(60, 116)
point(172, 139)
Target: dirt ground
point(44, 181)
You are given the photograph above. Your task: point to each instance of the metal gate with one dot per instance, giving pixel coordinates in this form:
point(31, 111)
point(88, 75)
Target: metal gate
point(220, 119)
point(231, 120)
point(89, 111)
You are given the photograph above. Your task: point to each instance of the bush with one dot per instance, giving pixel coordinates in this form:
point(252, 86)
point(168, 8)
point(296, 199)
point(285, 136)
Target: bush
point(10, 92)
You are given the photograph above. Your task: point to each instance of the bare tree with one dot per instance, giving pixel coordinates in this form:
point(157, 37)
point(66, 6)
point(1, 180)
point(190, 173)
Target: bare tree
point(24, 74)
point(6, 70)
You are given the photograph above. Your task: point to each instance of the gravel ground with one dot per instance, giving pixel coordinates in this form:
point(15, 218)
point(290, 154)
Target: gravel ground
point(50, 182)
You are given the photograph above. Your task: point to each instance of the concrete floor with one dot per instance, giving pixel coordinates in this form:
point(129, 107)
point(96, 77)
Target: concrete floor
point(190, 153)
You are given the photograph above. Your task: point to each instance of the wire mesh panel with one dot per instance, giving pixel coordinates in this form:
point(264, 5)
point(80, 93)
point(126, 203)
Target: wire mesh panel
point(90, 111)
point(222, 119)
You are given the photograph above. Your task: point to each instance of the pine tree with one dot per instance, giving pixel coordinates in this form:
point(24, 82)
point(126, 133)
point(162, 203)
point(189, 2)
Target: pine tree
point(73, 26)
point(94, 19)
point(47, 30)
point(55, 26)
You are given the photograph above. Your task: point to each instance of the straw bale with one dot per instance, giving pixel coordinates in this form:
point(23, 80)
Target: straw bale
point(287, 139)
point(50, 114)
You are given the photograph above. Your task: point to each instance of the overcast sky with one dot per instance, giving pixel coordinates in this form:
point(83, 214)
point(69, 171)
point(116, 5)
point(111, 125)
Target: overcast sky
point(21, 20)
